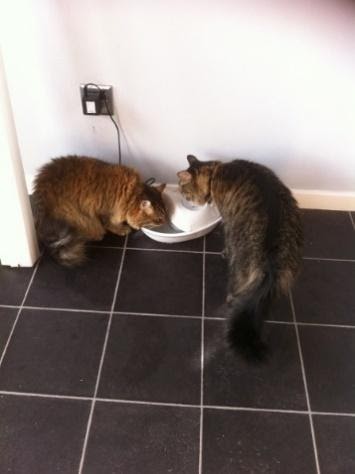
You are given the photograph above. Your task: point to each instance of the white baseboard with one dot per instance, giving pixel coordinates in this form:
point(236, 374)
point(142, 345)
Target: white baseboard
point(329, 200)
point(306, 198)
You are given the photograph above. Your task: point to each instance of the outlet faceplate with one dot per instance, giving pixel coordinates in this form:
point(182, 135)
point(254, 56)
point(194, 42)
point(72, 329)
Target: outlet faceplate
point(94, 99)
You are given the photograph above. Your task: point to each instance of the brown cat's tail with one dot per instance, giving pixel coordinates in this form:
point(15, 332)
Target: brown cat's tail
point(58, 237)
point(248, 311)
point(62, 242)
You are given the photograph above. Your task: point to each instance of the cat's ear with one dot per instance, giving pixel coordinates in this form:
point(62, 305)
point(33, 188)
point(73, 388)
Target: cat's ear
point(184, 177)
point(192, 160)
point(145, 205)
point(161, 187)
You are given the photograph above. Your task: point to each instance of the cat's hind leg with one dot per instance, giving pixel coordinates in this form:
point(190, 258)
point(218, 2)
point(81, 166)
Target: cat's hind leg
point(90, 228)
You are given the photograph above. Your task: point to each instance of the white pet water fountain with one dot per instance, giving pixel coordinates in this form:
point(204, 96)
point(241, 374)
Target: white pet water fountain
point(187, 221)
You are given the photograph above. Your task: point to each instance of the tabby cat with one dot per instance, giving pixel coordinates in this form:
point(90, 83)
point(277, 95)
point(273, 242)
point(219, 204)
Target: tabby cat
point(78, 199)
point(263, 241)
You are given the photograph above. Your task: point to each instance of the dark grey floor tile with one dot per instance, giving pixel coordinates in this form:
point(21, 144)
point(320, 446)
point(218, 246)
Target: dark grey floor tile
point(154, 359)
point(215, 240)
point(41, 435)
point(54, 352)
point(161, 282)
point(328, 234)
point(335, 437)
point(281, 310)
point(7, 319)
point(328, 355)
point(229, 381)
point(137, 439)
point(139, 240)
point(324, 292)
point(13, 284)
point(90, 286)
point(250, 442)
point(215, 285)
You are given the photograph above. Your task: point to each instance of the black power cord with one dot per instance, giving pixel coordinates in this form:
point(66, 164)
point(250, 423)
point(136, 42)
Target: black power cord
point(102, 95)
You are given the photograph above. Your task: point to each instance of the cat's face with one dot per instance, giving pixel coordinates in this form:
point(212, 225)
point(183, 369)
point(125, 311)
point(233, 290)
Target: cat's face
point(150, 211)
point(195, 182)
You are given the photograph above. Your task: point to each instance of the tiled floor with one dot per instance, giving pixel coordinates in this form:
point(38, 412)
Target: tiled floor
point(101, 369)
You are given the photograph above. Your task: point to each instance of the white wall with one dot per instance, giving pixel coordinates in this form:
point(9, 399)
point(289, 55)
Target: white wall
point(272, 81)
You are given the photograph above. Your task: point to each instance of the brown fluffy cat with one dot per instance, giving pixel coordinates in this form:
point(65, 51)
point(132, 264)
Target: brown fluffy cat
point(263, 240)
point(78, 199)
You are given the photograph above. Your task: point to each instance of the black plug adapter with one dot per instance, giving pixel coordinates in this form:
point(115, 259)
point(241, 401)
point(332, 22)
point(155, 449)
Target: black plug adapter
point(91, 100)
point(96, 99)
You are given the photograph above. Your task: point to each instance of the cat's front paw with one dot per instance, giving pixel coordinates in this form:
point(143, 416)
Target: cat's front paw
point(124, 230)
point(119, 229)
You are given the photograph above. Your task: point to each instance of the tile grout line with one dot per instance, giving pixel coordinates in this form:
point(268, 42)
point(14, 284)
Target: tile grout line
point(202, 353)
point(352, 220)
point(172, 404)
point(327, 325)
point(179, 316)
point(315, 450)
point(89, 423)
point(260, 410)
point(210, 252)
point(157, 315)
point(71, 310)
point(45, 395)
point(329, 413)
point(143, 249)
point(144, 402)
point(326, 259)
point(300, 323)
point(19, 312)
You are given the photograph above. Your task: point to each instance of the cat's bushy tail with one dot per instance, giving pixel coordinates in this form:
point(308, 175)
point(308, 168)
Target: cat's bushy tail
point(62, 242)
point(58, 237)
point(248, 311)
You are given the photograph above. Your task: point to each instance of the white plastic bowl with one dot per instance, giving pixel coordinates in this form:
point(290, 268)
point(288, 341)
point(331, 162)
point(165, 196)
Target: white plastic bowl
point(188, 221)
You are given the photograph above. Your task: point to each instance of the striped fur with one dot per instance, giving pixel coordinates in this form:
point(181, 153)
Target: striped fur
point(263, 240)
